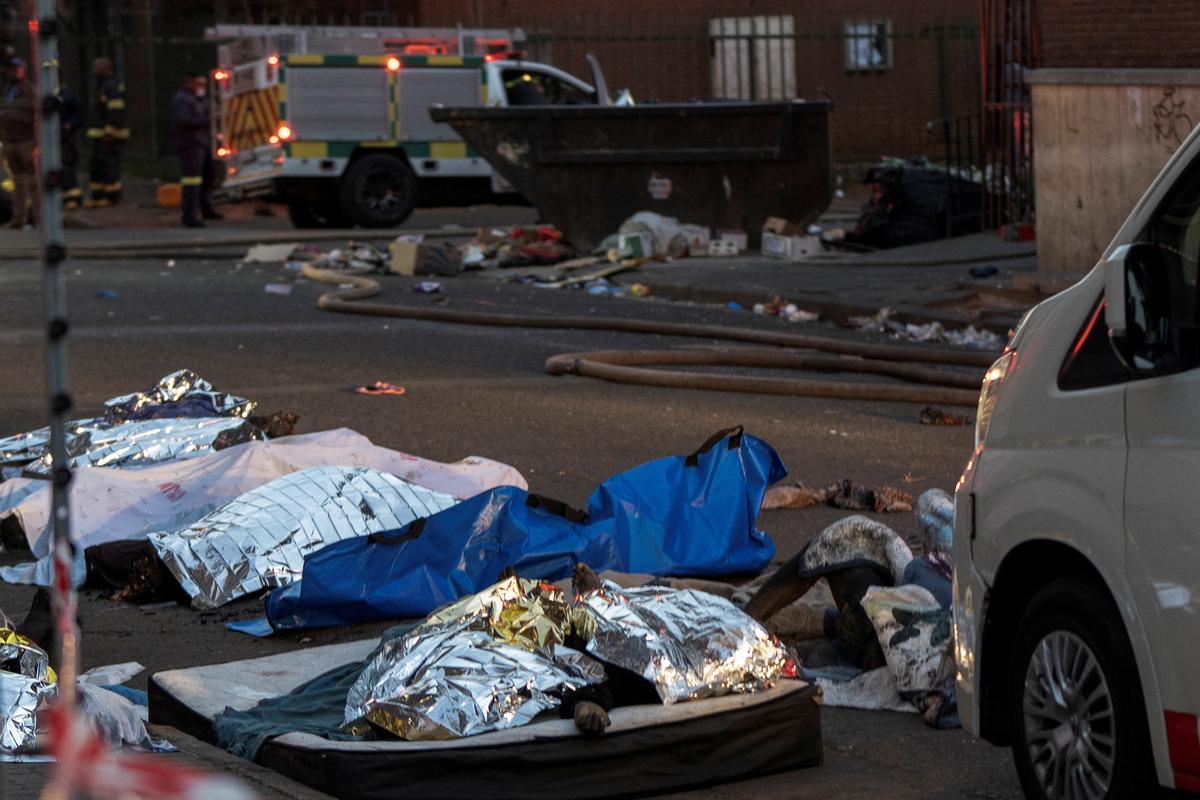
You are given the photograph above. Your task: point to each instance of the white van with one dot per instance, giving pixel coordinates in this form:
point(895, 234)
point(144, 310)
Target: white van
point(1077, 537)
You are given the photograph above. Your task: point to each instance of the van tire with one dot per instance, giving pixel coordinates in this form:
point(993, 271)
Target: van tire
point(307, 214)
point(378, 191)
point(1062, 615)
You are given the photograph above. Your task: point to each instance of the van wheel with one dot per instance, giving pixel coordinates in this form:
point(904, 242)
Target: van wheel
point(379, 191)
point(1077, 721)
point(307, 214)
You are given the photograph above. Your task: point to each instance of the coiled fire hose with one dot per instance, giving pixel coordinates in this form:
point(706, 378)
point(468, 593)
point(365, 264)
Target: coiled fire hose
point(926, 384)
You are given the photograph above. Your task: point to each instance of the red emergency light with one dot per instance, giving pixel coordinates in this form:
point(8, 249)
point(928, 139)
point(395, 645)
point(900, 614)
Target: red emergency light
point(392, 64)
point(273, 60)
point(222, 152)
point(220, 75)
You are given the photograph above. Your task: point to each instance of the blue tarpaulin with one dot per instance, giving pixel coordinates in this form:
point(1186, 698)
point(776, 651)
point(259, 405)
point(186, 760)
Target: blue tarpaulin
point(693, 515)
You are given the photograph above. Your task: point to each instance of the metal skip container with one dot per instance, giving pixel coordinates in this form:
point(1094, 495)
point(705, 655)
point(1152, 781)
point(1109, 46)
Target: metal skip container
point(723, 165)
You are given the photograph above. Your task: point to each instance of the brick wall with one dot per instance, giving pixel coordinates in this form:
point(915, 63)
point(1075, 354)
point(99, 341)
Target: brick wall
point(1120, 33)
point(664, 52)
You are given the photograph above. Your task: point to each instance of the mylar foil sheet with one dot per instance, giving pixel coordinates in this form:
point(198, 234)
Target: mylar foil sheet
point(182, 395)
point(259, 540)
point(444, 681)
point(689, 644)
point(26, 680)
point(139, 444)
point(530, 614)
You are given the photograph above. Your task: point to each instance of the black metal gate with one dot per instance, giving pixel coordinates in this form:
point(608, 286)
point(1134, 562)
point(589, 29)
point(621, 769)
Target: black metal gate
point(1011, 47)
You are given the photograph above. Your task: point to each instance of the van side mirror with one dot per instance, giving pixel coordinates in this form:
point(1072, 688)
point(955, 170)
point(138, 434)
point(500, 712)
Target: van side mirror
point(1151, 315)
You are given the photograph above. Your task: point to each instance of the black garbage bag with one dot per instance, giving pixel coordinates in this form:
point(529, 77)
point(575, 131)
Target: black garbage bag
point(912, 202)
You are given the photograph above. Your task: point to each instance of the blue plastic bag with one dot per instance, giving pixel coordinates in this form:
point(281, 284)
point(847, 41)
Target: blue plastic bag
point(693, 515)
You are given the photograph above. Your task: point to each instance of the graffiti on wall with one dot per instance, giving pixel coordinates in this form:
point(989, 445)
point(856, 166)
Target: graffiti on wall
point(1171, 123)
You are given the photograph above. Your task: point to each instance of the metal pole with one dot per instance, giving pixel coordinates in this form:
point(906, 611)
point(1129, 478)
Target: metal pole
point(50, 225)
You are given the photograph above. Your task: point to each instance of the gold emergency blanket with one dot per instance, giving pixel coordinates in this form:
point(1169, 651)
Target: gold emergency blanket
point(26, 680)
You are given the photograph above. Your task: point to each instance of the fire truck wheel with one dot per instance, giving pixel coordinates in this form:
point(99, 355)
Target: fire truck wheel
point(379, 191)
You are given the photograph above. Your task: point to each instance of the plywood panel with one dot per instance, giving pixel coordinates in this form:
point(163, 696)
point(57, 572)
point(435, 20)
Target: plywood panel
point(1096, 150)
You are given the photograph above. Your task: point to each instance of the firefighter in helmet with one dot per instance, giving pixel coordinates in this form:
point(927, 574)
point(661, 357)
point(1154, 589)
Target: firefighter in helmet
point(108, 135)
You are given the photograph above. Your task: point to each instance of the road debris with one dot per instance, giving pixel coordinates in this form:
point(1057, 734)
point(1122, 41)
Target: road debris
point(380, 387)
point(845, 494)
point(427, 287)
point(778, 307)
point(269, 253)
point(937, 416)
point(884, 322)
point(277, 288)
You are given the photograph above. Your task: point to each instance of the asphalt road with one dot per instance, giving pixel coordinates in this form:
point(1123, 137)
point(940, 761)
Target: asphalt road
point(470, 391)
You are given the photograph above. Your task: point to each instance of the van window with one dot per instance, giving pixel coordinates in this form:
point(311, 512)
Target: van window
point(1167, 293)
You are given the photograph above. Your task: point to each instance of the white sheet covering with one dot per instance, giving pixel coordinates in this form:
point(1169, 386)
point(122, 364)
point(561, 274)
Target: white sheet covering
point(113, 504)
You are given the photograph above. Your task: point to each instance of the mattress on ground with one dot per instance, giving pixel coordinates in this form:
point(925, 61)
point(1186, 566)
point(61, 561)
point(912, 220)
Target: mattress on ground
point(648, 749)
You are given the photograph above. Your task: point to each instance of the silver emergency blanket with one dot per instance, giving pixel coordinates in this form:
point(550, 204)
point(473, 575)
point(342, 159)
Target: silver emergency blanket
point(26, 680)
point(259, 540)
point(490, 661)
point(177, 402)
point(152, 441)
point(689, 644)
point(181, 391)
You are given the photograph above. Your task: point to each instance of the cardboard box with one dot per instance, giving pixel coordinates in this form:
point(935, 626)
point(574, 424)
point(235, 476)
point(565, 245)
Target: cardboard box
point(404, 256)
point(722, 248)
point(698, 239)
point(413, 258)
point(789, 248)
point(635, 245)
point(739, 238)
point(781, 227)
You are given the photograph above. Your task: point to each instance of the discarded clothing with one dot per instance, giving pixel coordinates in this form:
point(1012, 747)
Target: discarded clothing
point(936, 416)
point(845, 495)
point(856, 541)
point(182, 394)
point(672, 516)
point(260, 540)
point(689, 644)
point(935, 519)
point(110, 505)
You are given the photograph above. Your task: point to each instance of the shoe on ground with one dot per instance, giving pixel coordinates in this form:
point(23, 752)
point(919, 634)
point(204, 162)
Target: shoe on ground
point(194, 223)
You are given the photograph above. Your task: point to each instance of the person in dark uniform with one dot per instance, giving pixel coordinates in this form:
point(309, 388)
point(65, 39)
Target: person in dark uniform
point(108, 134)
point(17, 103)
point(189, 128)
point(70, 115)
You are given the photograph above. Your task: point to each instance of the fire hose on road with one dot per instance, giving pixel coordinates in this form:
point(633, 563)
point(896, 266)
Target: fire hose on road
point(925, 384)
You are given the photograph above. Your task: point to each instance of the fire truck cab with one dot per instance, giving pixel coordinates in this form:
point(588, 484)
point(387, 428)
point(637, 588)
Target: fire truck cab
point(335, 122)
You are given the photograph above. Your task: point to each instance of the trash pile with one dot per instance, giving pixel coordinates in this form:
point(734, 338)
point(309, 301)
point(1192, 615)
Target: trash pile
point(969, 336)
point(913, 201)
point(845, 495)
point(518, 246)
point(778, 307)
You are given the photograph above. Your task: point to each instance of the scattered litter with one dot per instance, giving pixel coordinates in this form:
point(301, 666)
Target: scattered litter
point(733, 238)
point(408, 257)
point(427, 287)
point(789, 311)
point(356, 257)
point(518, 246)
point(970, 336)
point(722, 248)
point(294, 266)
point(170, 262)
point(639, 290)
point(380, 387)
point(107, 294)
point(984, 271)
point(936, 416)
point(783, 240)
point(844, 494)
point(269, 253)
point(914, 201)
point(277, 288)
point(734, 305)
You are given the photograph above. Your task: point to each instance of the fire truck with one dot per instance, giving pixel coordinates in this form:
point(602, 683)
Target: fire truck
point(335, 122)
